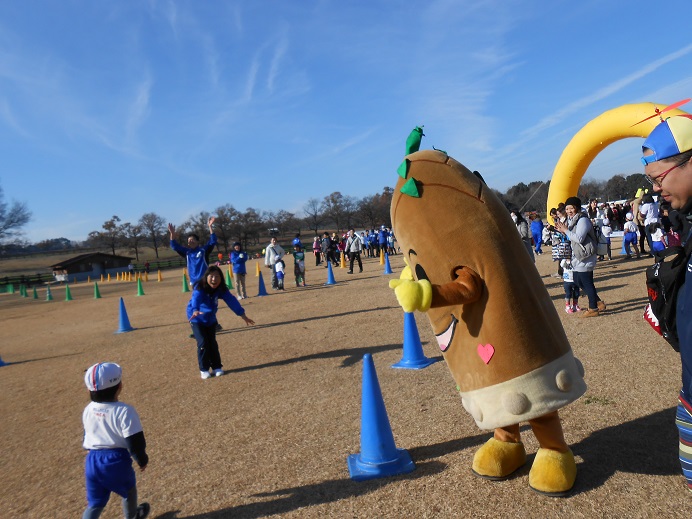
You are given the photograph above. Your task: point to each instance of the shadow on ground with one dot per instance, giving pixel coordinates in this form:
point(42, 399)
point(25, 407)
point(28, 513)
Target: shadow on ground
point(647, 445)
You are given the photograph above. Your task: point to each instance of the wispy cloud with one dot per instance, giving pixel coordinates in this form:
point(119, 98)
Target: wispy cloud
point(558, 116)
point(331, 151)
point(10, 120)
point(139, 110)
point(274, 65)
point(251, 78)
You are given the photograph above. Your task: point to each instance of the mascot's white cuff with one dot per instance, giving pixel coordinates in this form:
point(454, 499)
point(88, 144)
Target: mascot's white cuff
point(529, 396)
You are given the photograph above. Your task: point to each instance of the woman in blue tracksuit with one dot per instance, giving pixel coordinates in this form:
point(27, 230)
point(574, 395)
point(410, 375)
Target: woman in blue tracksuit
point(201, 312)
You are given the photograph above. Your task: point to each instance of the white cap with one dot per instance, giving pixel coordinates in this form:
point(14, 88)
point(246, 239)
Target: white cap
point(629, 216)
point(102, 376)
point(606, 221)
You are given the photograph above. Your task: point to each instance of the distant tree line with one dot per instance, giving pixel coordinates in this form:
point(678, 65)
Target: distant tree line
point(335, 212)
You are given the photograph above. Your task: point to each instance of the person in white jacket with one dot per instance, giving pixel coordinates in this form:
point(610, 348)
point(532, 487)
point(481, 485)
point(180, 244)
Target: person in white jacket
point(273, 254)
point(353, 247)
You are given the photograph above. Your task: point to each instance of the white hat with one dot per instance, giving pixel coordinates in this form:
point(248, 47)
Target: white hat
point(629, 216)
point(606, 221)
point(102, 376)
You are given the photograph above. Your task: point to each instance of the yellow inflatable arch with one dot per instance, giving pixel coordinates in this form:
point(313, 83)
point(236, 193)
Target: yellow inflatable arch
point(605, 129)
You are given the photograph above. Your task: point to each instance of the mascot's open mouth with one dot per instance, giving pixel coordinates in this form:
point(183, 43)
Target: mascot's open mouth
point(445, 338)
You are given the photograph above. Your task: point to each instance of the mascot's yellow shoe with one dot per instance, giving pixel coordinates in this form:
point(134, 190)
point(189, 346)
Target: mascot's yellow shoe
point(553, 473)
point(498, 460)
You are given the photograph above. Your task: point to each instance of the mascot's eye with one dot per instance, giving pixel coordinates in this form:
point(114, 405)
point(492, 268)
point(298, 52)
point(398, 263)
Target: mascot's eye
point(420, 273)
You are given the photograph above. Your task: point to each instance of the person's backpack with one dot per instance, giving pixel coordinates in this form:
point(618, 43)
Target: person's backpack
point(663, 281)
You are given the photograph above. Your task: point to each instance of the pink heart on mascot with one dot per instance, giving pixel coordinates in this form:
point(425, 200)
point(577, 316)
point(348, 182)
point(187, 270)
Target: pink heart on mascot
point(486, 352)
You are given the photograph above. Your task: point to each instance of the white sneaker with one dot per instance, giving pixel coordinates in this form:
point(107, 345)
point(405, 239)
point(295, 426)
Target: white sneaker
point(218, 372)
point(205, 374)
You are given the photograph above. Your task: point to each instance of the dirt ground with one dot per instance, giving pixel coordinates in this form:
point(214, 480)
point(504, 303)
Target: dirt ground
point(271, 437)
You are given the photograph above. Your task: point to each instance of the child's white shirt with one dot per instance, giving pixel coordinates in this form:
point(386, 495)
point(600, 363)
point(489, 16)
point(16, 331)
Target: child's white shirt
point(630, 226)
point(606, 230)
point(107, 424)
point(567, 272)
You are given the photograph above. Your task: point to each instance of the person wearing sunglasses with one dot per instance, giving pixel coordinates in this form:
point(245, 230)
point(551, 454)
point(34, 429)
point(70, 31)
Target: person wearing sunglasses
point(666, 157)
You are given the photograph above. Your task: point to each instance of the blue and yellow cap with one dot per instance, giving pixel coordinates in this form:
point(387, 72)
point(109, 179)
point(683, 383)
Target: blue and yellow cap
point(671, 137)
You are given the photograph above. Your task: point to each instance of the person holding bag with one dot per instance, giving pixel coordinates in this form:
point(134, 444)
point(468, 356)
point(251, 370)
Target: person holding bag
point(580, 232)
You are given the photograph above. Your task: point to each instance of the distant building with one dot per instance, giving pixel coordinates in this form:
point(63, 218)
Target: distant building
point(89, 265)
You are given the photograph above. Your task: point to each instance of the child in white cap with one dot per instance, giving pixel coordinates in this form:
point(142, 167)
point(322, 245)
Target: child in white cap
point(630, 236)
point(606, 232)
point(113, 436)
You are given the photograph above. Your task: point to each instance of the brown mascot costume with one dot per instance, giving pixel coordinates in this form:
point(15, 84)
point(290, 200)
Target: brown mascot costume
point(494, 321)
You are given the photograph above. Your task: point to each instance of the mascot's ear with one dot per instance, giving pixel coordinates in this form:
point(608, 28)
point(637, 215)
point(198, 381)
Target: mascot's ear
point(480, 177)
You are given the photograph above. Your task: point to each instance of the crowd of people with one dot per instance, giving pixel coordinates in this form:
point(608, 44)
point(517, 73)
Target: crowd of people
point(580, 236)
point(370, 243)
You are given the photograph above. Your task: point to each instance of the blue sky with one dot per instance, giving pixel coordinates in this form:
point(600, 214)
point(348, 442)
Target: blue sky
point(175, 107)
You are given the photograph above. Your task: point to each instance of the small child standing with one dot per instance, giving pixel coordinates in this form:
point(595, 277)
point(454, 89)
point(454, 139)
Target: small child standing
point(113, 436)
point(571, 288)
point(279, 267)
point(606, 231)
point(657, 237)
point(299, 265)
point(630, 236)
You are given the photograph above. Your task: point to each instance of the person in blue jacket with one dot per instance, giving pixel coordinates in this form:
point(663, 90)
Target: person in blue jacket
point(195, 254)
point(667, 159)
point(382, 240)
point(201, 313)
point(238, 258)
point(537, 232)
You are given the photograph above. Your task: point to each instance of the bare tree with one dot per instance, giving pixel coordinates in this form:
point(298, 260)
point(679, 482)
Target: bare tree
point(313, 214)
point(368, 211)
point(270, 219)
point(12, 218)
point(226, 225)
point(350, 208)
point(110, 237)
point(373, 211)
point(250, 223)
point(132, 237)
point(333, 207)
point(286, 222)
point(155, 226)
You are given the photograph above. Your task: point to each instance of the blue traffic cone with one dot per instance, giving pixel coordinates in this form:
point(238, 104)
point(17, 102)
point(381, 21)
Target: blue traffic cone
point(378, 455)
point(413, 358)
point(124, 321)
point(387, 267)
point(330, 274)
point(262, 288)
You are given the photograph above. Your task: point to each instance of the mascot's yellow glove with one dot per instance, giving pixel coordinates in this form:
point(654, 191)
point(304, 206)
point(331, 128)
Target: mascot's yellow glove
point(412, 295)
point(406, 273)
